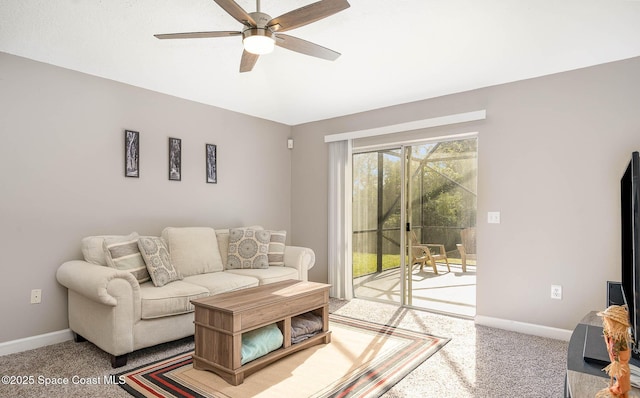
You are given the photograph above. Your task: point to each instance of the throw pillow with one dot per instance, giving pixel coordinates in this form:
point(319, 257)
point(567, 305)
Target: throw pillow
point(276, 248)
point(156, 256)
point(93, 248)
point(248, 248)
point(122, 253)
point(222, 235)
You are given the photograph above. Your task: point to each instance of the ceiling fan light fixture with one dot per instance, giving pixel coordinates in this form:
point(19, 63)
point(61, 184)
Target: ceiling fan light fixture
point(260, 31)
point(258, 41)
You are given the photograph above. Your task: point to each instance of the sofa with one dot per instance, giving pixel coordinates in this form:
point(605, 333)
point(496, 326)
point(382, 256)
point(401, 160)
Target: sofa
point(131, 292)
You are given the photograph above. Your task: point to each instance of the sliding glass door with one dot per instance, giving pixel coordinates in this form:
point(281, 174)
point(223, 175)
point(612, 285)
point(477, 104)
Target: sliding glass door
point(441, 213)
point(377, 209)
point(412, 206)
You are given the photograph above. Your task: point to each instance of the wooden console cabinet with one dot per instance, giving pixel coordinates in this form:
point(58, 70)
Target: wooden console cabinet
point(221, 319)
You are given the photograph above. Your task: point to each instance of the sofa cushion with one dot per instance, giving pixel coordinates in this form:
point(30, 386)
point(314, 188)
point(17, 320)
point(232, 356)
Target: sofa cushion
point(156, 257)
point(193, 250)
point(171, 299)
point(221, 282)
point(122, 253)
point(248, 248)
point(276, 248)
point(223, 244)
point(265, 276)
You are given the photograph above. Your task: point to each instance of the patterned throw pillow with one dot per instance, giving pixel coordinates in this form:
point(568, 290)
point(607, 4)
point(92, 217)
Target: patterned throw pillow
point(248, 248)
point(156, 256)
point(276, 248)
point(122, 253)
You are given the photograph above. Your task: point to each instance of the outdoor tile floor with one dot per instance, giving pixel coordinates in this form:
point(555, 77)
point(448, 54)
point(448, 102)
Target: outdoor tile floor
point(448, 292)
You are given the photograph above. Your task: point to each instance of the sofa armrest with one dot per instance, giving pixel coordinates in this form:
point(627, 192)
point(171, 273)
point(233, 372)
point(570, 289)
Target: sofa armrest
point(92, 281)
point(103, 304)
point(300, 258)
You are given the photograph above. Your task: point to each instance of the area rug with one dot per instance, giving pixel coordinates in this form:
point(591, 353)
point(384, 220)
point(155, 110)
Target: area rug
point(364, 359)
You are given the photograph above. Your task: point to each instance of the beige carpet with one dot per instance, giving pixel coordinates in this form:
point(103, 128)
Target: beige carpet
point(364, 359)
point(478, 362)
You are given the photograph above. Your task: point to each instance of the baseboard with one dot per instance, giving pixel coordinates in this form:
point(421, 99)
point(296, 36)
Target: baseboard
point(523, 327)
point(29, 343)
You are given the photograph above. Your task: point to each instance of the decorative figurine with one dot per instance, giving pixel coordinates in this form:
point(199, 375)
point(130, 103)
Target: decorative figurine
point(615, 321)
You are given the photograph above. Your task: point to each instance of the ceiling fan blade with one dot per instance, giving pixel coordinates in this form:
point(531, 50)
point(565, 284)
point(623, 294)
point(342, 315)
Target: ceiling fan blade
point(248, 61)
point(233, 9)
point(307, 14)
point(305, 47)
point(197, 35)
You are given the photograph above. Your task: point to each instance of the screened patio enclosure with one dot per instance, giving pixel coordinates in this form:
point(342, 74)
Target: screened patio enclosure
point(426, 192)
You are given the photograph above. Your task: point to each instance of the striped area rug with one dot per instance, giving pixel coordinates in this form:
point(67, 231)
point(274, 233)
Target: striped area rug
point(364, 359)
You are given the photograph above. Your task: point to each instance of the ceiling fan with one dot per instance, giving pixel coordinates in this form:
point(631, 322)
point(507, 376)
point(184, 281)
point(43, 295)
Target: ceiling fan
point(261, 32)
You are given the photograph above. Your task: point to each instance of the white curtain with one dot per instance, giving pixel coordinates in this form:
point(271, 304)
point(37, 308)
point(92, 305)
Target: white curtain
point(340, 257)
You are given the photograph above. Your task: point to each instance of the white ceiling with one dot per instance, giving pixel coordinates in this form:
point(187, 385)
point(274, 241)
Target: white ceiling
point(393, 51)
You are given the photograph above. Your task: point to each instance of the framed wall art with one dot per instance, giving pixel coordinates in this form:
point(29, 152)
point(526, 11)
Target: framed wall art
point(131, 154)
point(212, 167)
point(175, 159)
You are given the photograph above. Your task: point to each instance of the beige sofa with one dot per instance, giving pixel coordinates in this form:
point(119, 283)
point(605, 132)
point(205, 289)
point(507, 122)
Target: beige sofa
point(112, 306)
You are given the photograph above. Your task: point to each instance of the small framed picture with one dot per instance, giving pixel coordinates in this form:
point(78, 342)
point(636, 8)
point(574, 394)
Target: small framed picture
point(131, 153)
point(212, 167)
point(175, 159)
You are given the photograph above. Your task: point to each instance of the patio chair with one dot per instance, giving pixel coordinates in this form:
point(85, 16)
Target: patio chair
point(467, 248)
point(422, 253)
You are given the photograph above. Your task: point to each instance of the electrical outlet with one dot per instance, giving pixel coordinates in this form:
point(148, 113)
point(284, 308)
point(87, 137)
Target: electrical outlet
point(36, 296)
point(493, 217)
point(556, 292)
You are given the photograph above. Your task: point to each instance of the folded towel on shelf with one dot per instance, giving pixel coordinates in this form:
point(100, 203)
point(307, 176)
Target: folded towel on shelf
point(304, 326)
point(259, 342)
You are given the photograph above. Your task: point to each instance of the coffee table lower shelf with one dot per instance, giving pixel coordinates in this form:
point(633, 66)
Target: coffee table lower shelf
point(236, 377)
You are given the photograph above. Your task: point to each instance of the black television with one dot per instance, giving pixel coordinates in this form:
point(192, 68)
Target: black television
point(630, 237)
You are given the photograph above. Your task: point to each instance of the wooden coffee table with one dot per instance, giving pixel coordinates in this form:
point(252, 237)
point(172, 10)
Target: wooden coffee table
point(221, 319)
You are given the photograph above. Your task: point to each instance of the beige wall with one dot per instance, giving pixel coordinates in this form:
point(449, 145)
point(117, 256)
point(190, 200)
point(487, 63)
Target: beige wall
point(551, 154)
point(61, 156)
